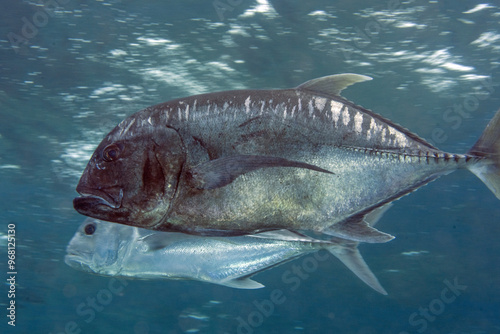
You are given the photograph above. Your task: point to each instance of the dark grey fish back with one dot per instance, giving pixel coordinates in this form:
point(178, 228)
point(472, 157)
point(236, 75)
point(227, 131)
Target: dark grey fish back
point(318, 118)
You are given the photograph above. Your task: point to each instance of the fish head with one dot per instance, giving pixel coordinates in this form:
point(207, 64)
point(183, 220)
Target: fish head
point(133, 174)
point(97, 246)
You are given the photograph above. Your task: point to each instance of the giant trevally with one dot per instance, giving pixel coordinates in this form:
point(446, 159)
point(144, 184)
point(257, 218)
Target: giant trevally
point(118, 250)
point(240, 162)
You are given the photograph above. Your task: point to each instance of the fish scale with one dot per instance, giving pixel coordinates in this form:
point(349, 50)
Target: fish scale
point(254, 210)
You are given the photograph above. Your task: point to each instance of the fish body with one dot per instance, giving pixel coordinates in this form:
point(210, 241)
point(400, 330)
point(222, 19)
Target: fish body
point(241, 162)
point(118, 250)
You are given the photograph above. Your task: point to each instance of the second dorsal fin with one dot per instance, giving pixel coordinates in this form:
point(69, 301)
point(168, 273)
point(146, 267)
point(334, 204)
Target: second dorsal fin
point(333, 84)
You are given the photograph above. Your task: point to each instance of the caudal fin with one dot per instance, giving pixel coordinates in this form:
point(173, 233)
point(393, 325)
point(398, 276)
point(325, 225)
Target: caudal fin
point(488, 148)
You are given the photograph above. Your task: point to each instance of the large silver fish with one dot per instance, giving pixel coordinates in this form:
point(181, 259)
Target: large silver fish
point(240, 162)
point(118, 250)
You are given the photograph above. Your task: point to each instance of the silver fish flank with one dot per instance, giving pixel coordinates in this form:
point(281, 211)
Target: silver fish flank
point(117, 250)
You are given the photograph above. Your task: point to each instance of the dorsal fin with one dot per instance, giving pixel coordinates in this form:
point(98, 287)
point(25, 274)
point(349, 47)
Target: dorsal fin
point(333, 84)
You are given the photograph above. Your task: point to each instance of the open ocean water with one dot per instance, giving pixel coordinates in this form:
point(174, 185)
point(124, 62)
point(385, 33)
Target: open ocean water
point(72, 70)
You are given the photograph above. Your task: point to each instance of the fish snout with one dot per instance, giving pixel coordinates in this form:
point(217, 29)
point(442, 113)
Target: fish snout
point(104, 203)
point(109, 196)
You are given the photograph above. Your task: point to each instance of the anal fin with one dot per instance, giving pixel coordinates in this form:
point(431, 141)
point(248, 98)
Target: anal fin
point(360, 227)
point(347, 252)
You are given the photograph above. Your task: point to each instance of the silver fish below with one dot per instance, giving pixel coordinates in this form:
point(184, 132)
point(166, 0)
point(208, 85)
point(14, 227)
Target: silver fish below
point(247, 161)
point(110, 249)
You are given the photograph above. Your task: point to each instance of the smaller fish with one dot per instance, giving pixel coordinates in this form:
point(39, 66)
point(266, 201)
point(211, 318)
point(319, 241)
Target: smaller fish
point(110, 249)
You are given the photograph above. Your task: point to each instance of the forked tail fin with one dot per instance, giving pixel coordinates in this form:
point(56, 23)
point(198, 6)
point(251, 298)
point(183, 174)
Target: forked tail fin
point(488, 147)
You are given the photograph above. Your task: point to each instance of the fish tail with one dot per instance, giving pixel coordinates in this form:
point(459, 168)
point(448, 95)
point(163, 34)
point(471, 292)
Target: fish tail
point(487, 148)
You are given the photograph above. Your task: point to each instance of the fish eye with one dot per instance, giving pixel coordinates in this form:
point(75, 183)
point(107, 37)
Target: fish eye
point(89, 229)
point(111, 153)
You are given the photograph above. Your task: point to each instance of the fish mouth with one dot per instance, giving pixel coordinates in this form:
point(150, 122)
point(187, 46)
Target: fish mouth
point(72, 257)
point(91, 198)
point(105, 204)
point(77, 261)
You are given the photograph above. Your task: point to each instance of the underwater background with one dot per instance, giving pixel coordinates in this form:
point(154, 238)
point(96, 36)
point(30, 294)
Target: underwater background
point(71, 70)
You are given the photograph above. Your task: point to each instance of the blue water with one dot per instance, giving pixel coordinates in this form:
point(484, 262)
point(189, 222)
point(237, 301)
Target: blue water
point(69, 77)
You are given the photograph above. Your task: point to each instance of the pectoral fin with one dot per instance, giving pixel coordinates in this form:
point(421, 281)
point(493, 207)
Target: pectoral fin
point(360, 227)
point(285, 235)
point(242, 283)
point(221, 172)
point(159, 240)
